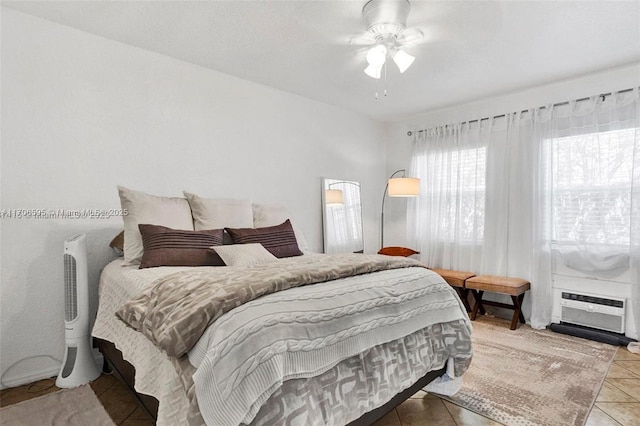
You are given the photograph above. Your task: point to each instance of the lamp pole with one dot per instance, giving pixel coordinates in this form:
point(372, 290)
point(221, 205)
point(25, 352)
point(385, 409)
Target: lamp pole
point(384, 196)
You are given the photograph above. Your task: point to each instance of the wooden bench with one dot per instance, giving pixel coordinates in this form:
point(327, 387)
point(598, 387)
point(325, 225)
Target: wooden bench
point(514, 287)
point(457, 279)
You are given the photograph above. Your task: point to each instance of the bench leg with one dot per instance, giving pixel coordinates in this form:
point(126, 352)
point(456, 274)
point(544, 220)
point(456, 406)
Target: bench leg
point(517, 311)
point(464, 296)
point(520, 315)
point(477, 295)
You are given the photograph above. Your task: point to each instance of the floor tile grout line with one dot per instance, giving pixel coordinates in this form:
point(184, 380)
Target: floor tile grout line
point(618, 388)
point(471, 411)
point(626, 369)
point(449, 412)
point(397, 416)
point(621, 362)
point(606, 414)
point(614, 402)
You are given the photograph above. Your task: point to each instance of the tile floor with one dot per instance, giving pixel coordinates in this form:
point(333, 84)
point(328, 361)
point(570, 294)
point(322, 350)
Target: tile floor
point(617, 404)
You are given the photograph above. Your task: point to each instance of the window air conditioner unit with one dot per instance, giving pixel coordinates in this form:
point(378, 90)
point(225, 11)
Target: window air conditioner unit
point(593, 311)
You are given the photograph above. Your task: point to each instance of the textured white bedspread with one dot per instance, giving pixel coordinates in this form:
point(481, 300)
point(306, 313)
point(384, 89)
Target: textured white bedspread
point(155, 375)
point(248, 353)
point(360, 312)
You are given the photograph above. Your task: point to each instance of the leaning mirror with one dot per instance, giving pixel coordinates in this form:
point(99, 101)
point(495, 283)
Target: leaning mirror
point(342, 216)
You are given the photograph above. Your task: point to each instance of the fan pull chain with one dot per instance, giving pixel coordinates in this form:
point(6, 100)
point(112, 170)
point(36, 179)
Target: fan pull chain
point(385, 79)
point(384, 87)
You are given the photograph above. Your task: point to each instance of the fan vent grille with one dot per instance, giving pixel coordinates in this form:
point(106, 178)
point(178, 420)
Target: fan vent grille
point(70, 288)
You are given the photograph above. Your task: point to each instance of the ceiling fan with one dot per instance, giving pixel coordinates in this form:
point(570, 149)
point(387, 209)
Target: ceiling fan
point(387, 31)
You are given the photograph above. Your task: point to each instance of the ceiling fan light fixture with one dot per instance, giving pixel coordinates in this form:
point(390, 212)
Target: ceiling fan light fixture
point(377, 55)
point(373, 72)
point(403, 60)
point(386, 22)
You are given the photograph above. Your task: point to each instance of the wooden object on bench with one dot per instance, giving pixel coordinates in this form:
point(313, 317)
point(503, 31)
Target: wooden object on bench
point(397, 251)
point(514, 287)
point(457, 279)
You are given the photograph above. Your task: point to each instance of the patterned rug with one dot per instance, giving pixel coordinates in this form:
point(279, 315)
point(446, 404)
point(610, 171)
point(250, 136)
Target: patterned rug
point(532, 377)
point(68, 407)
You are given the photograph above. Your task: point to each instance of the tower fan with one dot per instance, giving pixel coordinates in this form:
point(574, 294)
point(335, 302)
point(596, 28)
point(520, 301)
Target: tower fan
point(78, 366)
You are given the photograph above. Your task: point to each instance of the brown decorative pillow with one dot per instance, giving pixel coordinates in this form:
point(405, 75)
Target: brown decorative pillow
point(279, 240)
point(173, 247)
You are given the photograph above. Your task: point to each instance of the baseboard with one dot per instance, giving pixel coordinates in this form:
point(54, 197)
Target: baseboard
point(45, 373)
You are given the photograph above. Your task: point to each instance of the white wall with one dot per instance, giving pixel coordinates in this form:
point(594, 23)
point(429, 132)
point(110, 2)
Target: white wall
point(82, 114)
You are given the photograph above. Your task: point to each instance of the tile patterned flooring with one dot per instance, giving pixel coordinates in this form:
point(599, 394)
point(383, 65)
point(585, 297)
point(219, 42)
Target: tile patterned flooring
point(618, 403)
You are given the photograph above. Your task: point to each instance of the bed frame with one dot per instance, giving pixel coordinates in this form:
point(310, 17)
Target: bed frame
point(126, 372)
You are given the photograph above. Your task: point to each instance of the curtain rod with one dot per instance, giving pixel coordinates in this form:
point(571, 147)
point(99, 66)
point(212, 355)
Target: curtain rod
point(603, 95)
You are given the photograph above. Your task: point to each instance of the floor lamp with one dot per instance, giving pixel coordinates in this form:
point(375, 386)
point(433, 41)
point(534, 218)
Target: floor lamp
point(398, 187)
point(334, 197)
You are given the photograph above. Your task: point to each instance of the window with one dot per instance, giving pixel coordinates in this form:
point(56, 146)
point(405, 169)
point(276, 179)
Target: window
point(462, 191)
point(591, 184)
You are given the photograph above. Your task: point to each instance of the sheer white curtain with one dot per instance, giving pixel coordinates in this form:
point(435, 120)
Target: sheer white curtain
point(448, 219)
point(505, 195)
point(590, 156)
point(480, 184)
point(635, 223)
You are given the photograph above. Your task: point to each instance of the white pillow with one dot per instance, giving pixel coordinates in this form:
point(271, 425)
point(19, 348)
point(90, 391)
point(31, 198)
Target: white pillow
point(216, 213)
point(150, 209)
point(272, 215)
point(244, 254)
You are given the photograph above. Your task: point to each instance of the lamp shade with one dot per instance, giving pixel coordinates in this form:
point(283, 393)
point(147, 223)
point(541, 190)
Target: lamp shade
point(373, 72)
point(403, 60)
point(404, 187)
point(333, 197)
point(377, 55)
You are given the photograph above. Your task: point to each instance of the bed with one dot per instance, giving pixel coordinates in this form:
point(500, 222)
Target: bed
point(310, 339)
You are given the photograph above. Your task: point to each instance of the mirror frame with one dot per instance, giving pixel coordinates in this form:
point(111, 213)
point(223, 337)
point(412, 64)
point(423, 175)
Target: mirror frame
point(326, 183)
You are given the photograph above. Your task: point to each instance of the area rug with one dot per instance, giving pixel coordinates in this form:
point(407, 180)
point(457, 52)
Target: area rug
point(532, 377)
point(68, 407)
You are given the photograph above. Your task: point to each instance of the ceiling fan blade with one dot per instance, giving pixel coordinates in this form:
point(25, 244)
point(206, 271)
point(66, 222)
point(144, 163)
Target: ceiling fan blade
point(411, 36)
point(362, 51)
point(363, 39)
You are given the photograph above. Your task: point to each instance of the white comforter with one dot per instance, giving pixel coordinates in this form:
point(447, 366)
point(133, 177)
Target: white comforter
point(247, 353)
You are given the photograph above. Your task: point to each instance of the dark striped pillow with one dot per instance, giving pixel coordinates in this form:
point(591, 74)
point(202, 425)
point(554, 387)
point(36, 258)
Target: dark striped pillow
point(279, 240)
point(173, 247)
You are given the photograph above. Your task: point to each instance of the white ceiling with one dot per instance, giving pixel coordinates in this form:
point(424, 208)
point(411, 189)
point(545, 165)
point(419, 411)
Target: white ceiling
point(472, 49)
